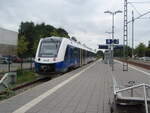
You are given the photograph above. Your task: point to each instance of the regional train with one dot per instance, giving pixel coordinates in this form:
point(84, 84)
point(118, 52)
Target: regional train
point(57, 54)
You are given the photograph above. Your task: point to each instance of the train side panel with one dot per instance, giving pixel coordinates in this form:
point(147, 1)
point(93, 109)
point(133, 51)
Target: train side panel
point(70, 55)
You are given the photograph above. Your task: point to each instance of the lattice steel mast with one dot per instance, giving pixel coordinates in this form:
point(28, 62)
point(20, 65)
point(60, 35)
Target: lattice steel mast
point(125, 37)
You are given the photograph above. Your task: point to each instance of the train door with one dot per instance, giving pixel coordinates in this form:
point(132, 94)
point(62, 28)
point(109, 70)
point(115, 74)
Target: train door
point(67, 56)
point(81, 57)
point(84, 57)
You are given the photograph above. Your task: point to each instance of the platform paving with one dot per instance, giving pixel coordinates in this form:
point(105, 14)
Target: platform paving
point(90, 92)
point(139, 76)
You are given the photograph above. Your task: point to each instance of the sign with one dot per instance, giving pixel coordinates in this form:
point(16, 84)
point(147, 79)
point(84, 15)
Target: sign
point(103, 46)
point(118, 47)
point(116, 41)
point(110, 41)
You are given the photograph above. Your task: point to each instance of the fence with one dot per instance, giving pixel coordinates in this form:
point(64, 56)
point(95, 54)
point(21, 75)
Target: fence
point(14, 66)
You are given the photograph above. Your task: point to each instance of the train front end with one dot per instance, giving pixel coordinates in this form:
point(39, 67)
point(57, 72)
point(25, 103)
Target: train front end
point(47, 55)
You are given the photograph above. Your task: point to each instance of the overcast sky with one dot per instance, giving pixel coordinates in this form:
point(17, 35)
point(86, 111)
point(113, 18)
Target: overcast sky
point(84, 19)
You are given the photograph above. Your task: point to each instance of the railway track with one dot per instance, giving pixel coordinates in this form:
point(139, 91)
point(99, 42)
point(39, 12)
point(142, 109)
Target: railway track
point(143, 65)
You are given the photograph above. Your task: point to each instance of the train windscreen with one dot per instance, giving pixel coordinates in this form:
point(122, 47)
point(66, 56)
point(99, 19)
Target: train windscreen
point(49, 48)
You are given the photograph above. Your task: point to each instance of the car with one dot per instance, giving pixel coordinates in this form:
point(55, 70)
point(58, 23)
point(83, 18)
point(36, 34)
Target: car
point(17, 59)
point(144, 58)
point(28, 60)
point(5, 60)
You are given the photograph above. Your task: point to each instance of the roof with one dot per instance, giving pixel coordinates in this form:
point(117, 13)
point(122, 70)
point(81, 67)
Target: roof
point(72, 42)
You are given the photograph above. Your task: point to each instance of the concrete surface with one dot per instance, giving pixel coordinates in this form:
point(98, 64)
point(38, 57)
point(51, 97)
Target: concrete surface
point(90, 92)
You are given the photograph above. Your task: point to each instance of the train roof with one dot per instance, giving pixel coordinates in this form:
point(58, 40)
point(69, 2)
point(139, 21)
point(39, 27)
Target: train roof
point(69, 42)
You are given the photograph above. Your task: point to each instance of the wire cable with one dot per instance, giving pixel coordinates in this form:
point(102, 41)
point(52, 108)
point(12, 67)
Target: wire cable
point(135, 8)
point(144, 2)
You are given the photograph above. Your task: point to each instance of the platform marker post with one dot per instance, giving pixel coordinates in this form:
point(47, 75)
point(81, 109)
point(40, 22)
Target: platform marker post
point(145, 98)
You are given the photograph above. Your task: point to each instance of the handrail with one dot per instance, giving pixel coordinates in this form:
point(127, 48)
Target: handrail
point(119, 97)
point(7, 80)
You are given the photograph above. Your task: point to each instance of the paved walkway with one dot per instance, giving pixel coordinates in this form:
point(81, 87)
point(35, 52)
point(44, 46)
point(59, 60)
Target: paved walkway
point(138, 75)
point(88, 93)
point(85, 90)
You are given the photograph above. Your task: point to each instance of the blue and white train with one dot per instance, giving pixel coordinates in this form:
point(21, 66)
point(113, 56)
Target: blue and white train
point(57, 54)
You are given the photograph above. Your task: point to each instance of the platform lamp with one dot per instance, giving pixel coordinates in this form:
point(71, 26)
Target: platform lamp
point(113, 14)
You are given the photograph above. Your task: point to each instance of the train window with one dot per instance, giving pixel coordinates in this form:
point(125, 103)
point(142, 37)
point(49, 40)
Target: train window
point(71, 52)
point(49, 49)
point(76, 52)
point(67, 53)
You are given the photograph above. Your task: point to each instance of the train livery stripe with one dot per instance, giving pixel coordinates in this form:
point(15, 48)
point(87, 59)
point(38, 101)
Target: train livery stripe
point(35, 101)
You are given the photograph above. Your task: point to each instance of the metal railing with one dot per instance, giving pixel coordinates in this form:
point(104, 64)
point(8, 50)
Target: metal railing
point(119, 98)
point(14, 66)
point(7, 80)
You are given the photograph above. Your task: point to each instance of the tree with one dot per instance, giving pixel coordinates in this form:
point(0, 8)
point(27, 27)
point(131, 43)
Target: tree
point(32, 34)
point(43, 30)
point(22, 47)
point(100, 53)
point(147, 52)
point(35, 46)
point(140, 50)
point(119, 52)
point(27, 29)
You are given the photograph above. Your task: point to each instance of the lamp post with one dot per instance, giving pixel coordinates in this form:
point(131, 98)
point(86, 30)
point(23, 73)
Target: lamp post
point(109, 48)
point(113, 14)
point(132, 34)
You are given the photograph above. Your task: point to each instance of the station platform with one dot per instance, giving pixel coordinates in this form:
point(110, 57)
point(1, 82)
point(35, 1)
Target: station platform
point(88, 89)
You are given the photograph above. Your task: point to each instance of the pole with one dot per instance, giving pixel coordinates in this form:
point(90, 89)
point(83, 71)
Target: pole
point(145, 98)
point(112, 45)
point(132, 34)
point(9, 63)
point(125, 37)
point(113, 41)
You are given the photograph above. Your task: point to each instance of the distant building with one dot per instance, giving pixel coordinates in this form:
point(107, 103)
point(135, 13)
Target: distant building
point(8, 42)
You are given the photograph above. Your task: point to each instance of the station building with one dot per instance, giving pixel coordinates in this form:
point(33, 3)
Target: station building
point(8, 42)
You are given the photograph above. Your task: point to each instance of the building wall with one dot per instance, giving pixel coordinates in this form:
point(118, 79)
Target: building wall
point(8, 49)
point(8, 42)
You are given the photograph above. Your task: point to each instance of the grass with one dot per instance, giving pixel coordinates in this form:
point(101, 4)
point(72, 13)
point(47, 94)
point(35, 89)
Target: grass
point(8, 93)
point(24, 76)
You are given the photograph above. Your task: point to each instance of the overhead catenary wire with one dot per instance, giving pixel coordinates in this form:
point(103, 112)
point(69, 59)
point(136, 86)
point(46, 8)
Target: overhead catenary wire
point(144, 2)
point(144, 18)
point(134, 8)
point(140, 16)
